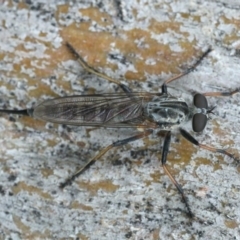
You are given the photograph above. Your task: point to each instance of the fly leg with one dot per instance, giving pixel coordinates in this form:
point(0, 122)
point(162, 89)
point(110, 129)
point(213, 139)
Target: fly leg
point(221, 94)
point(191, 139)
point(89, 69)
point(101, 153)
point(190, 69)
point(165, 151)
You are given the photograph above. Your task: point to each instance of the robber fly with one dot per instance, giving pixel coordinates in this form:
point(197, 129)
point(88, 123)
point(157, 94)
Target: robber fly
point(150, 111)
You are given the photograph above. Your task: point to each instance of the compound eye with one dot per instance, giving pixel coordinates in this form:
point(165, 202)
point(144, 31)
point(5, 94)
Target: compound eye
point(199, 122)
point(200, 101)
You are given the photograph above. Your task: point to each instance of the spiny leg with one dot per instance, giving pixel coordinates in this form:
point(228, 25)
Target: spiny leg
point(191, 139)
point(190, 69)
point(101, 153)
point(89, 69)
point(165, 151)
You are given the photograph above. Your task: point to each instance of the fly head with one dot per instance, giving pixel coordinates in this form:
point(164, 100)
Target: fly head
point(200, 118)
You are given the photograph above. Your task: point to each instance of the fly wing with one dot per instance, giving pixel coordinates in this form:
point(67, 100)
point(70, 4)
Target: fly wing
point(111, 110)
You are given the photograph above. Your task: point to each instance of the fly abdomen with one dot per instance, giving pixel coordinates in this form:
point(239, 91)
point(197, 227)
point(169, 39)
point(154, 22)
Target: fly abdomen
point(113, 110)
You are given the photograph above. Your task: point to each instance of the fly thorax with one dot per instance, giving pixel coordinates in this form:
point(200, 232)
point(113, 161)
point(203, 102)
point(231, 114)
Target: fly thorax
point(167, 111)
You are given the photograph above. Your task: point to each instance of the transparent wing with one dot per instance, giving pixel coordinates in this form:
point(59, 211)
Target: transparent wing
point(111, 110)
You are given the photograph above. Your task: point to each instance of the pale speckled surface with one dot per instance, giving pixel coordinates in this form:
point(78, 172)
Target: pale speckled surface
point(109, 201)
